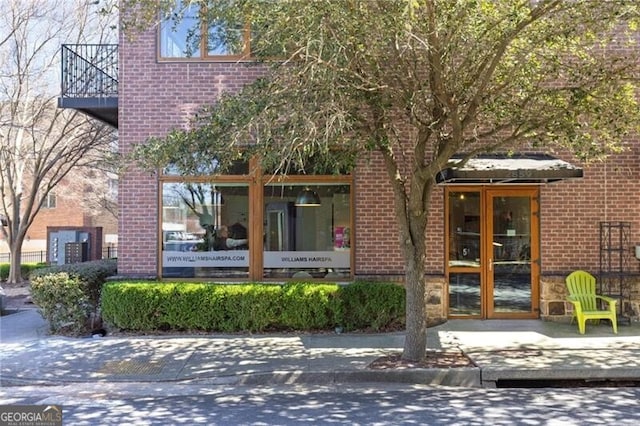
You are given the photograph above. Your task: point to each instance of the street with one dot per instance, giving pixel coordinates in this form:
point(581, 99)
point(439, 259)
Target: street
point(366, 404)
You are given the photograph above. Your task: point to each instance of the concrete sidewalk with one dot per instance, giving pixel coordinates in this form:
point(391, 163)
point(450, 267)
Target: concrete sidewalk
point(501, 349)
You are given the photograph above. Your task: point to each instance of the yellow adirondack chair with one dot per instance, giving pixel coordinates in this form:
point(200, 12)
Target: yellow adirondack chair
point(582, 294)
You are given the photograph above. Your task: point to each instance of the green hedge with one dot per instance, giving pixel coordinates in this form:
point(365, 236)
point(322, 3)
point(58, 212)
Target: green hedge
point(153, 306)
point(373, 306)
point(310, 306)
point(62, 301)
point(92, 275)
point(188, 306)
point(69, 295)
point(26, 270)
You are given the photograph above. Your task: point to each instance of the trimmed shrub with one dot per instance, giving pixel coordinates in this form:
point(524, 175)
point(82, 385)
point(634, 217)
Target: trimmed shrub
point(152, 306)
point(307, 306)
point(69, 295)
point(131, 306)
point(145, 306)
point(250, 307)
point(92, 275)
point(63, 302)
point(373, 306)
point(26, 270)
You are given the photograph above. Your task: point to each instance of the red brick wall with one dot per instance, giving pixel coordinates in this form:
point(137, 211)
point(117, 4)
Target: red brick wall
point(571, 212)
point(153, 98)
point(66, 213)
point(377, 243)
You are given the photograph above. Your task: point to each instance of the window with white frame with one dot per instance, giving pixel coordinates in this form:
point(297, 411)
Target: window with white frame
point(49, 201)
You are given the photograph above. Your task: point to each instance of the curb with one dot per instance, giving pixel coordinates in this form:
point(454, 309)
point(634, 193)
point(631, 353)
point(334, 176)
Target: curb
point(513, 374)
point(456, 377)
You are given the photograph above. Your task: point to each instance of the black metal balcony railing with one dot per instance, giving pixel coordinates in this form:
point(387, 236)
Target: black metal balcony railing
point(89, 70)
point(90, 80)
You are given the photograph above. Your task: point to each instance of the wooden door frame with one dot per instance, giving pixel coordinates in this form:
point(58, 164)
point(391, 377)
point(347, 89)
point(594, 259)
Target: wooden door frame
point(488, 285)
point(486, 192)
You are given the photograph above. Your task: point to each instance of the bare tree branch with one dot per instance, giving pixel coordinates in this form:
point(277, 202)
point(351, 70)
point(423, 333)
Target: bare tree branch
point(39, 143)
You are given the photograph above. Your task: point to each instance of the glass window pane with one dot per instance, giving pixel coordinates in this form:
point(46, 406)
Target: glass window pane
point(464, 229)
point(214, 166)
point(180, 32)
point(512, 288)
point(464, 294)
point(205, 230)
point(512, 254)
point(307, 231)
point(225, 40)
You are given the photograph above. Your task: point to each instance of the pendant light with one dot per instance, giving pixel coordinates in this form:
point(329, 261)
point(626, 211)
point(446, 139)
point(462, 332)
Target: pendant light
point(308, 198)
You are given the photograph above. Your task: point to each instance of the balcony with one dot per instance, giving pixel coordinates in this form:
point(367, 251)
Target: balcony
point(90, 80)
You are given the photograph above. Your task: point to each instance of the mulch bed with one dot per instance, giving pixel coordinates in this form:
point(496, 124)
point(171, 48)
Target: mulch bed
point(433, 359)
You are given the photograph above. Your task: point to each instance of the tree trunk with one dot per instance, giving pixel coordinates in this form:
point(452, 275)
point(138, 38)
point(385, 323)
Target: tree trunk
point(415, 344)
point(15, 272)
point(415, 249)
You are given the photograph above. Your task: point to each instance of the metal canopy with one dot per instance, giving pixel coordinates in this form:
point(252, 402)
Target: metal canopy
point(521, 168)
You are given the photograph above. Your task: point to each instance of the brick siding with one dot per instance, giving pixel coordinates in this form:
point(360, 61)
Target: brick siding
point(156, 96)
point(68, 212)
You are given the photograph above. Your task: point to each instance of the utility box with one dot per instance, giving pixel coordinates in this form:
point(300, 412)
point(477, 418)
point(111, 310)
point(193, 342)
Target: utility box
point(76, 252)
point(73, 245)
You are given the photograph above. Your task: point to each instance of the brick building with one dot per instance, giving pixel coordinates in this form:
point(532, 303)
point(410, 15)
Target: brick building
point(499, 243)
point(68, 207)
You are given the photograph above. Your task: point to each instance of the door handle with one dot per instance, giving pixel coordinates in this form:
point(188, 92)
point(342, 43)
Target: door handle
point(490, 265)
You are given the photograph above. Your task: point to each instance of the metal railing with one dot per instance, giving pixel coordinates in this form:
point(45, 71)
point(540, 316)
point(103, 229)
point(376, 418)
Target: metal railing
point(108, 252)
point(27, 257)
point(89, 70)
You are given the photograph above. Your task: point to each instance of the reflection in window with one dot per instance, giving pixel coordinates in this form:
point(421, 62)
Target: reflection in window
point(464, 294)
point(307, 231)
point(512, 254)
point(182, 33)
point(214, 166)
point(464, 229)
point(205, 230)
point(222, 40)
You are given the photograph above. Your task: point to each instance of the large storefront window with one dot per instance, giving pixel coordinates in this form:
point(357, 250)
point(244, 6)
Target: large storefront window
point(307, 231)
point(237, 227)
point(205, 230)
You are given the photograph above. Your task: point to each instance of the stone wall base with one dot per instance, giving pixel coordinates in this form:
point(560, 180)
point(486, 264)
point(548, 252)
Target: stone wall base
point(554, 305)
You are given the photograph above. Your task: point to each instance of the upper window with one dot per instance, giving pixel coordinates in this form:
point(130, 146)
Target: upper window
point(187, 32)
point(50, 201)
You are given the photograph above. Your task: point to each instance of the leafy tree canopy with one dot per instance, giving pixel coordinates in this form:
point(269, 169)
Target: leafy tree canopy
point(425, 78)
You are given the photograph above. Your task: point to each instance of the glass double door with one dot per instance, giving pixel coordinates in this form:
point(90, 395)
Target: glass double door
point(493, 252)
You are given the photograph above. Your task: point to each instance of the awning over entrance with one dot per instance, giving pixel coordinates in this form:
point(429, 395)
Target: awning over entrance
point(521, 168)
